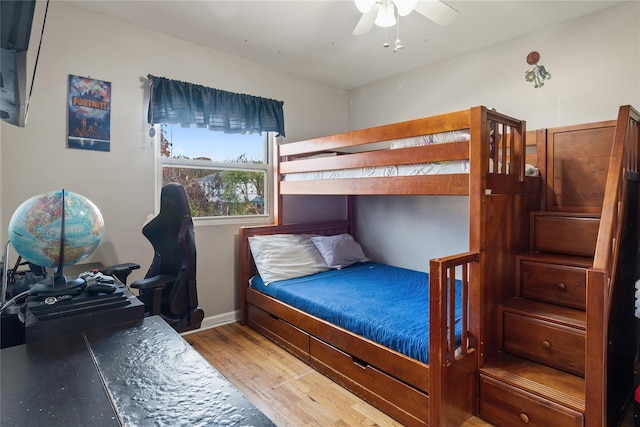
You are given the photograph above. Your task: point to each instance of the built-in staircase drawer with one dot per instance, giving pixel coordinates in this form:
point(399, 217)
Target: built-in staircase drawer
point(555, 283)
point(288, 336)
point(559, 346)
point(380, 389)
point(505, 405)
point(562, 233)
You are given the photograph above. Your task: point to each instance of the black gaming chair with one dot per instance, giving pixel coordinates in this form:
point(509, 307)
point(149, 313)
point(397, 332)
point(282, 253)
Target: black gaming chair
point(169, 287)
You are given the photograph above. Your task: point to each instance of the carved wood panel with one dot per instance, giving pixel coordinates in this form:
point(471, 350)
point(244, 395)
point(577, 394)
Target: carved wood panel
point(577, 163)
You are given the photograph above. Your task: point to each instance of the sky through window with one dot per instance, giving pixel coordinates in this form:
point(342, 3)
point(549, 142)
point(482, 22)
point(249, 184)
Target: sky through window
point(195, 142)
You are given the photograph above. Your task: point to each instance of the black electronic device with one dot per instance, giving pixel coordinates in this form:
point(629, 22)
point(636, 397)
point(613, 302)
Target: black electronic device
point(52, 307)
point(96, 288)
point(94, 276)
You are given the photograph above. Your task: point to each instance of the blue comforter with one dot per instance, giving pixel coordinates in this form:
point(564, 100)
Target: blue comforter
point(386, 304)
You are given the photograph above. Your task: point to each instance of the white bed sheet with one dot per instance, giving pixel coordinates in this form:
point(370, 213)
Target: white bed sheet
point(458, 166)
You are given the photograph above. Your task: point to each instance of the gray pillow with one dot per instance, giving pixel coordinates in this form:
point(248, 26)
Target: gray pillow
point(340, 250)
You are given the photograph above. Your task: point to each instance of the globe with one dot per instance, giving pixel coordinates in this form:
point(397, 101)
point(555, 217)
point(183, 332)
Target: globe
point(36, 225)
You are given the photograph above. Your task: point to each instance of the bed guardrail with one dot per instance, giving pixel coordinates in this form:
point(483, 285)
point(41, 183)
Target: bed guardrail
point(445, 356)
point(444, 275)
point(507, 147)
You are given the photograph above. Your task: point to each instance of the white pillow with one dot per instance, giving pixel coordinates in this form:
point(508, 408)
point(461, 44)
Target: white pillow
point(339, 250)
point(285, 256)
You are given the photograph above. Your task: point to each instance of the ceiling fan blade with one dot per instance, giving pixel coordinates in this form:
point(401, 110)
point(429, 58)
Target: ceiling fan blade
point(437, 11)
point(366, 21)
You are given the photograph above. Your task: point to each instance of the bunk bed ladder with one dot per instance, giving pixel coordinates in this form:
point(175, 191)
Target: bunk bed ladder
point(567, 337)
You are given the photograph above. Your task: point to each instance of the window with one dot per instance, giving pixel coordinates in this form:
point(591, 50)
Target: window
point(225, 175)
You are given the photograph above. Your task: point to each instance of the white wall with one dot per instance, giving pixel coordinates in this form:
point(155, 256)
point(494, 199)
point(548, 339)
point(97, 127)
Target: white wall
point(121, 182)
point(595, 67)
point(594, 63)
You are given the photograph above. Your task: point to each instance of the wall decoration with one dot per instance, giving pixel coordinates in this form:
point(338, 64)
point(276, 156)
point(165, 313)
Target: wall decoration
point(89, 126)
point(538, 74)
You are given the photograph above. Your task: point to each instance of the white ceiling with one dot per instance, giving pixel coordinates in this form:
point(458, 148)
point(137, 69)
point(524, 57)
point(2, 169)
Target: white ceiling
point(313, 39)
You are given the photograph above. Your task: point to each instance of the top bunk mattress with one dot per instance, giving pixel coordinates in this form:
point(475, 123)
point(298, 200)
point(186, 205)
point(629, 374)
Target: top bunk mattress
point(385, 304)
point(456, 166)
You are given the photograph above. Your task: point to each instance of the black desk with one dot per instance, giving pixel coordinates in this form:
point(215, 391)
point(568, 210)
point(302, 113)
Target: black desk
point(133, 374)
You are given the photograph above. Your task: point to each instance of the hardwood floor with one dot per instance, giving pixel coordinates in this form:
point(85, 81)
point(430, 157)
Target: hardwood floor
point(286, 389)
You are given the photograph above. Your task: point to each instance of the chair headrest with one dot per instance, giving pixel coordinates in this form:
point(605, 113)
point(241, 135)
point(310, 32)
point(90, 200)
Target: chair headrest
point(173, 198)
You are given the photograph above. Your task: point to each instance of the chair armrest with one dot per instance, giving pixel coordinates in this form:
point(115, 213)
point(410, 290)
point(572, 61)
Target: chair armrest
point(159, 281)
point(155, 286)
point(120, 271)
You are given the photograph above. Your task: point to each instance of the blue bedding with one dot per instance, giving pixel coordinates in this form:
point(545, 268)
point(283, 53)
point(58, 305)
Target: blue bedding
point(386, 304)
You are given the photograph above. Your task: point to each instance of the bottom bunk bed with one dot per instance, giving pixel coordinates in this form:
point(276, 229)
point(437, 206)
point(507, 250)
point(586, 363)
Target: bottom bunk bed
point(395, 337)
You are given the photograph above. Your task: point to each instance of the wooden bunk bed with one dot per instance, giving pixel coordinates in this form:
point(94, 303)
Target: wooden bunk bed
point(444, 390)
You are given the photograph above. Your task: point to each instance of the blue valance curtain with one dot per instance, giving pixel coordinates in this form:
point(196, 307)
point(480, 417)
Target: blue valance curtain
point(176, 102)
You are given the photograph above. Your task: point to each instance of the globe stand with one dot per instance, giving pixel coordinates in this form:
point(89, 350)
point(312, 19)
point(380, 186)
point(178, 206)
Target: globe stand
point(58, 285)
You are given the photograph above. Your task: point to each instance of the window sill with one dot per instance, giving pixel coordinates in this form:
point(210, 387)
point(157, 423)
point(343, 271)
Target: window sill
point(235, 220)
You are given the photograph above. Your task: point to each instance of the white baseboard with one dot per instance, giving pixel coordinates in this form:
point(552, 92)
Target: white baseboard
point(215, 321)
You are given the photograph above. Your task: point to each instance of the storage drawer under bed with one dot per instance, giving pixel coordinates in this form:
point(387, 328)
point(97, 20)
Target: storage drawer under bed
point(288, 336)
point(380, 389)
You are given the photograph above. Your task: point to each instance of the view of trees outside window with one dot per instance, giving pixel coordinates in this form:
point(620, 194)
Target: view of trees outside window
point(224, 175)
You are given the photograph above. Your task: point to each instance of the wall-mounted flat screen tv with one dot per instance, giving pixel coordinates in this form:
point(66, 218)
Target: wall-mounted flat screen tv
point(15, 32)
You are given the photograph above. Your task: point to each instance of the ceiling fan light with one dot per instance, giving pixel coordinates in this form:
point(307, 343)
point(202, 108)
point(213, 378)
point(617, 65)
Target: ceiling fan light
point(405, 6)
point(365, 6)
point(386, 16)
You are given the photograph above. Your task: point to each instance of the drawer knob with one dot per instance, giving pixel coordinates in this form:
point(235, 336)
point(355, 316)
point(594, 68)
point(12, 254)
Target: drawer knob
point(524, 418)
point(562, 286)
point(546, 345)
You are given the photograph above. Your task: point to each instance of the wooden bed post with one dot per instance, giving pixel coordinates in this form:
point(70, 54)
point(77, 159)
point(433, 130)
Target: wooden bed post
point(596, 349)
point(243, 274)
point(437, 312)
point(479, 164)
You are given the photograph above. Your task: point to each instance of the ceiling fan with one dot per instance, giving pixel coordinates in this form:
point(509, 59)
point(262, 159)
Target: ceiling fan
point(382, 12)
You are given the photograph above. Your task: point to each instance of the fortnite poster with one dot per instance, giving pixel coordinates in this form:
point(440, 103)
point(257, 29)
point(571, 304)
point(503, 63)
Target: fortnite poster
point(89, 114)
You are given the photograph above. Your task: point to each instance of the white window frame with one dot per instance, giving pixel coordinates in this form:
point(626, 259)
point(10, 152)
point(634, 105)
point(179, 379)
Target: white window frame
point(269, 140)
